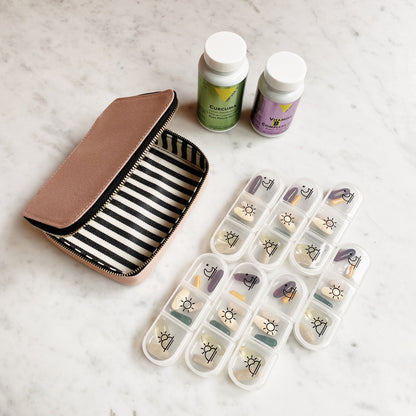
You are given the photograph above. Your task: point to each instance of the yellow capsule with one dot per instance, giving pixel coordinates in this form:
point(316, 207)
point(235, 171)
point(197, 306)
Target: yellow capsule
point(296, 199)
point(238, 295)
point(286, 299)
point(336, 201)
point(197, 281)
point(350, 272)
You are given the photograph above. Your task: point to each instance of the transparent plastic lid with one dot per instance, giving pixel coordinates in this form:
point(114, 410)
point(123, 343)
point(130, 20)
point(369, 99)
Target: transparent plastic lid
point(304, 194)
point(185, 309)
point(344, 198)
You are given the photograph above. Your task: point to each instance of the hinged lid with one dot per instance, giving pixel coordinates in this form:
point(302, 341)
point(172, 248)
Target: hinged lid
point(98, 164)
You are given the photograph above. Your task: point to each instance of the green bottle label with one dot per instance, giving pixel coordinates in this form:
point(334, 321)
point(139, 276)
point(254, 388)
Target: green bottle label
point(219, 108)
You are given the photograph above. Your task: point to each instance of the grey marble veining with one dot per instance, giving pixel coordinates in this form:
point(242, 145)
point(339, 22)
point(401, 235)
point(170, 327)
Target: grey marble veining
point(70, 340)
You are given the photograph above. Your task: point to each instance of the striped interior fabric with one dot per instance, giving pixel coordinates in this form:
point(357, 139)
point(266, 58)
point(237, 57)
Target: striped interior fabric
point(143, 212)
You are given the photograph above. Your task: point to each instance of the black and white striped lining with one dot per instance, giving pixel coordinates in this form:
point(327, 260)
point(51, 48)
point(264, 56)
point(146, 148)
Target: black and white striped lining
point(141, 215)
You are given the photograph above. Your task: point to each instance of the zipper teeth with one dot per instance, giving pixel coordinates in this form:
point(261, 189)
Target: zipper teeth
point(128, 174)
point(176, 222)
point(132, 169)
point(144, 264)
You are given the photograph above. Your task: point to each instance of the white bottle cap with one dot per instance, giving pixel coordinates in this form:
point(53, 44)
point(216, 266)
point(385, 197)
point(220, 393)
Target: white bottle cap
point(285, 71)
point(225, 51)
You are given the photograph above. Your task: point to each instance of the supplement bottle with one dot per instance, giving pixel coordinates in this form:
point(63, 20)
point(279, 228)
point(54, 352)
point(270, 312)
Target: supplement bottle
point(280, 89)
point(222, 73)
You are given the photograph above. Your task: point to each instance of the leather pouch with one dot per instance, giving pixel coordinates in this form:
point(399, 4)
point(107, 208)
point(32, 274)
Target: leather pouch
point(117, 199)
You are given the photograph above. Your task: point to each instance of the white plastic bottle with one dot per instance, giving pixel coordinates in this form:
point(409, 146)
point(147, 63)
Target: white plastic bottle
point(280, 89)
point(222, 72)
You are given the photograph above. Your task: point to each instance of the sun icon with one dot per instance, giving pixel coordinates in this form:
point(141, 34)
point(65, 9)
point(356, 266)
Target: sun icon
point(270, 327)
point(336, 292)
point(209, 351)
point(329, 223)
point(319, 325)
point(231, 238)
point(228, 315)
point(287, 218)
point(248, 209)
point(312, 251)
point(187, 305)
point(270, 247)
point(253, 365)
point(165, 340)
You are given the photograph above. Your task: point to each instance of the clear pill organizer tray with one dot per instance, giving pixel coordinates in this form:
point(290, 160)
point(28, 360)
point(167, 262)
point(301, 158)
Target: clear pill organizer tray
point(215, 340)
point(267, 332)
point(287, 220)
point(192, 299)
point(317, 244)
point(246, 215)
point(331, 297)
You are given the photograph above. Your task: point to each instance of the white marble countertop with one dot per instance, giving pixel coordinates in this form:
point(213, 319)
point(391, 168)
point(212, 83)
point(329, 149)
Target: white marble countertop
point(70, 339)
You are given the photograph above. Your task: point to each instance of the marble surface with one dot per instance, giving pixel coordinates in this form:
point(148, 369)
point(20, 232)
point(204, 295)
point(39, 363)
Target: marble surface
point(69, 338)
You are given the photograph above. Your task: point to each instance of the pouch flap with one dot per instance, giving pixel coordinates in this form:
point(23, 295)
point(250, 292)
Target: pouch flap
point(99, 162)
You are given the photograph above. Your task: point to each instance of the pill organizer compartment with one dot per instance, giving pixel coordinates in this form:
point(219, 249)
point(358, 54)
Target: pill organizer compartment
point(269, 248)
point(250, 364)
point(226, 320)
point(246, 215)
point(265, 185)
point(269, 327)
point(268, 330)
point(186, 307)
point(185, 304)
point(310, 254)
point(165, 340)
point(331, 297)
point(329, 224)
point(286, 295)
point(303, 194)
point(229, 315)
point(246, 283)
point(248, 210)
point(208, 351)
point(334, 292)
point(288, 220)
point(351, 262)
point(207, 274)
point(344, 198)
point(316, 326)
point(230, 239)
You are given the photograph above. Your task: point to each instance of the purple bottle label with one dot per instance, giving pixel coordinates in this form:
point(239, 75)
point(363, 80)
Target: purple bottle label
point(272, 118)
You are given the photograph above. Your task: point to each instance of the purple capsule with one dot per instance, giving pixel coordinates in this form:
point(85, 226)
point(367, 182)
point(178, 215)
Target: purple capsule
point(291, 194)
point(344, 254)
point(339, 193)
point(254, 185)
point(288, 290)
point(249, 280)
point(213, 282)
